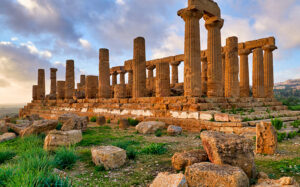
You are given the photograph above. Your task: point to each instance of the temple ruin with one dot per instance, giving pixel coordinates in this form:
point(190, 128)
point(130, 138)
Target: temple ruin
point(215, 80)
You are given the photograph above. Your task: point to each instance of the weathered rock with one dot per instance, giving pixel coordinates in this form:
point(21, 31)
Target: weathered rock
point(56, 138)
point(282, 182)
point(230, 149)
point(174, 130)
point(123, 124)
point(187, 158)
point(22, 121)
point(17, 128)
point(34, 117)
point(169, 180)
point(75, 123)
point(40, 126)
point(110, 157)
point(209, 174)
point(7, 136)
point(65, 117)
point(266, 138)
point(149, 127)
point(100, 120)
point(3, 127)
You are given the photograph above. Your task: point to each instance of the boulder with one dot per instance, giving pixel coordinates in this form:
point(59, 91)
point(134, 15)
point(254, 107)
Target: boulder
point(38, 127)
point(3, 127)
point(56, 138)
point(282, 182)
point(174, 130)
point(110, 157)
point(100, 120)
point(123, 124)
point(209, 174)
point(65, 117)
point(17, 128)
point(187, 158)
point(75, 123)
point(7, 136)
point(149, 127)
point(169, 180)
point(266, 138)
point(230, 149)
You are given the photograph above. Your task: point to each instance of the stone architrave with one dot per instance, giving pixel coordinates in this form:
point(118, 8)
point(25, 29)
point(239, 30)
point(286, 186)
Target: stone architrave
point(175, 72)
point(232, 87)
point(268, 70)
point(162, 80)
point(204, 75)
point(139, 68)
point(104, 74)
point(34, 92)
point(53, 81)
point(244, 72)
point(192, 56)
point(91, 87)
point(70, 79)
point(41, 84)
point(214, 56)
point(60, 92)
point(258, 74)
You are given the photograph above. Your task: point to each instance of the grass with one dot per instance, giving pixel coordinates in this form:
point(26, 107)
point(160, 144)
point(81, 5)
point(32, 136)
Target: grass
point(6, 155)
point(277, 123)
point(133, 122)
point(155, 149)
point(158, 133)
point(296, 124)
point(59, 126)
point(93, 119)
point(65, 158)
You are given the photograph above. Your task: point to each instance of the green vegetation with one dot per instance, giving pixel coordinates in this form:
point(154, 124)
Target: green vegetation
point(65, 158)
point(277, 123)
point(6, 155)
point(296, 124)
point(59, 126)
point(108, 121)
point(292, 135)
point(251, 110)
point(154, 148)
point(93, 119)
point(133, 122)
point(158, 133)
point(281, 136)
point(246, 119)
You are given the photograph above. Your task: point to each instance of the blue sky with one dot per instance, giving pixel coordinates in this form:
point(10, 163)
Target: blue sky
point(45, 33)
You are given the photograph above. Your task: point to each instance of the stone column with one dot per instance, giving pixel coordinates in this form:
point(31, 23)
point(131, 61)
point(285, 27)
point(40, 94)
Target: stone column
point(70, 79)
point(175, 72)
point(244, 72)
point(41, 84)
point(53, 81)
point(258, 74)
point(214, 57)
point(204, 75)
point(150, 81)
point(268, 70)
point(122, 77)
point(60, 93)
point(82, 80)
point(150, 71)
point(223, 72)
point(162, 80)
point(91, 87)
point(232, 87)
point(104, 74)
point(34, 92)
point(130, 77)
point(139, 68)
point(192, 59)
point(114, 78)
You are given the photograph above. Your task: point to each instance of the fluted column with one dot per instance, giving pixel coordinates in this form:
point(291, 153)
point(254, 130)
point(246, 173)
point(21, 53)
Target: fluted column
point(139, 68)
point(130, 77)
point(223, 72)
point(82, 80)
point(34, 92)
point(60, 89)
point(244, 72)
point(175, 72)
point(258, 74)
point(53, 81)
point(232, 87)
point(214, 57)
point(269, 70)
point(204, 75)
point(162, 80)
point(192, 59)
point(150, 71)
point(122, 77)
point(91, 87)
point(70, 79)
point(104, 74)
point(114, 78)
point(41, 84)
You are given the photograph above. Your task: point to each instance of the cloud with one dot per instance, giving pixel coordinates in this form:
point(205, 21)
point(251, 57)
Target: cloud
point(84, 43)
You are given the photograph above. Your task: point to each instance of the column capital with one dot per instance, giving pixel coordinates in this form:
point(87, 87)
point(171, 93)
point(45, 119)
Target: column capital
point(269, 48)
point(211, 22)
point(190, 12)
point(114, 73)
point(176, 63)
point(53, 69)
point(244, 52)
point(204, 59)
point(151, 67)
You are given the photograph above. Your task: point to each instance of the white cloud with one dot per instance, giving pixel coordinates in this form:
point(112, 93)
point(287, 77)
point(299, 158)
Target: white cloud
point(120, 2)
point(84, 43)
point(33, 50)
point(14, 38)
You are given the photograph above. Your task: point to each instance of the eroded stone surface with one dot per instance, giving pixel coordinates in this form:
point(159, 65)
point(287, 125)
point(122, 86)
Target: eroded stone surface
point(149, 127)
point(187, 158)
point(56, 138)
point(174, 130)
point(266, 138)
point(7, 136)
point(75, 123)
point(166, 179)
point(40, 126)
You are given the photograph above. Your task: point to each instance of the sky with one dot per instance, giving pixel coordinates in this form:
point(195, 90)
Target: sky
point(45, 33)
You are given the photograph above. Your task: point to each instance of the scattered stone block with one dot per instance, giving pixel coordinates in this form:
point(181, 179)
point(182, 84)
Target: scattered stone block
point(221, 117)
point(100, 120)
point(110, 157)
point(17, 128)
point(123, 124)
point(282, 182)
point(7, 136)
point(174, 130)
point(56, 138)
point(3, 127)
point(65, 117)
point(266, 138)
point(40, 126)
point(230, 149)
point(149, 127)
point(187, 158)
point(34, 117)
point(209, 174)
point(164, 179)
point(207, 115)
point(75, 123)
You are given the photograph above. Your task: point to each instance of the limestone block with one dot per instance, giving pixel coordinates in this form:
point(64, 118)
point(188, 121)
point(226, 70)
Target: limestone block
point(75, 123)
point(100, 120)
point(149, 127)
point(174, 130)
point(40, 126)
point(229, 149)
point(169, 180)
point(209, 174)
point(282, 182)
point(221, 117)
point(207, 115)
point(187, 158)
point(266, 138)
point(56, 138)
point(7, 136)
point(123, 124)
point(3, 127)
point(110, 157)
point(70, 79)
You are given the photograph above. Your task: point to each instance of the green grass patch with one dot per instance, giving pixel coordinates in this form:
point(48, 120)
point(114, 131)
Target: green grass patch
point(133, 122)
point(93, 119)
point(6, 155)
point(296, 124)
point(155, 149)
point(65, 158)
point(277, 123)
point(158, 133)
point(59, 126)
point(281, 136)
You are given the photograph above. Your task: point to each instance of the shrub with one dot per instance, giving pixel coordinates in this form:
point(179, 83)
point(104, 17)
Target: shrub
point(158, 133)
point(131, 153)
point(292, 135)
point(6, 155)
point(155, 149)
point(281, 136)
point(93, 119)
point(108, 121)
point(296, 124)
point(59, 126)
point(251, 111)
point(99, 168)
point(246, 119)
point(65, 158)
point(277, 123)
point(133, 122)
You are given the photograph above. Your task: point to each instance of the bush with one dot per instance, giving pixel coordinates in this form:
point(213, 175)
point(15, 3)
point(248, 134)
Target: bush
point(6, 155)
point(155, 149)
point(65, 158)
point(158, 133)
point(108, 121)
point(296, 124)
point(277, 123)
point(93, 119)
point(133, 122)
point(292, 135)
point(131, 153)
point(99, 168)
point(59, 126)
point(281, 136)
